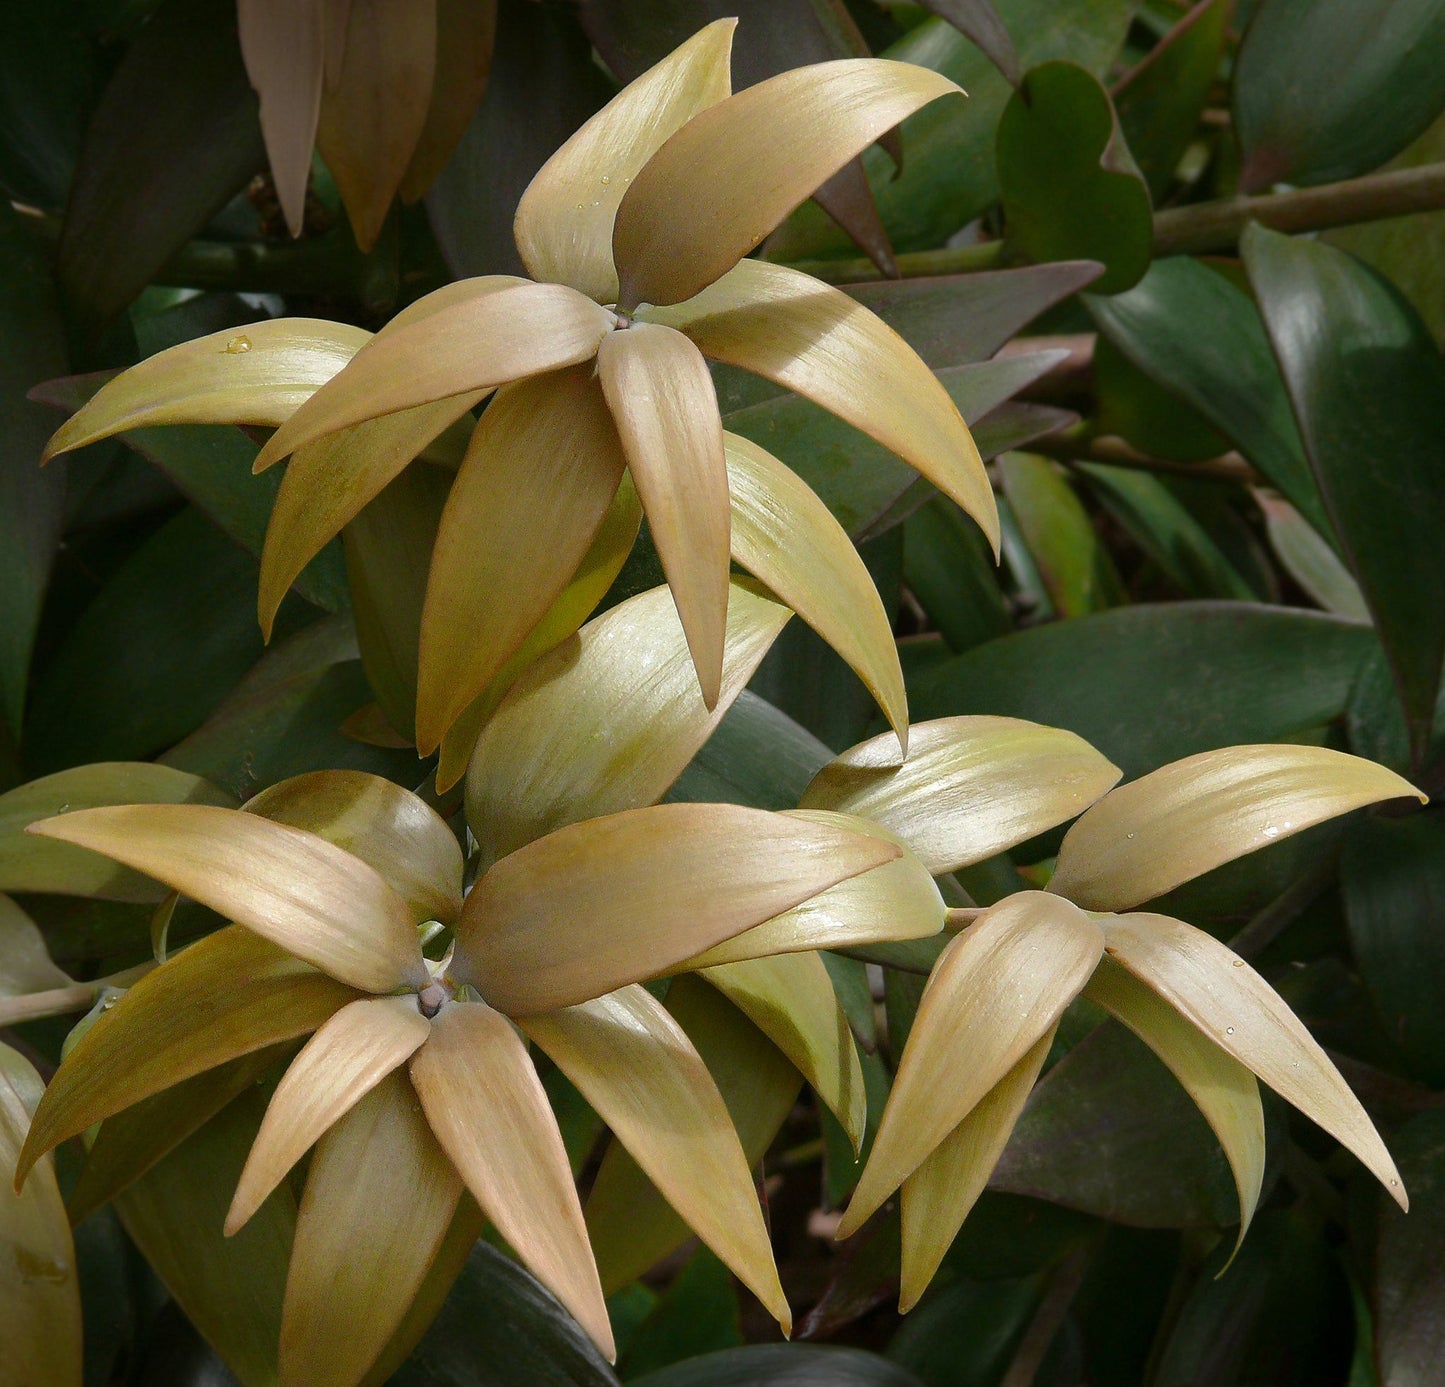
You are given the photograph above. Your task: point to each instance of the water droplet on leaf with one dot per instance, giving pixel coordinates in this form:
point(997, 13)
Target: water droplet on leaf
point(237, 345)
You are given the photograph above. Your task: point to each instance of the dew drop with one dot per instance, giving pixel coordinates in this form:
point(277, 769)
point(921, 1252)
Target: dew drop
point(237, 345)
point(1270, 831)
point(581, 206)
point(605, 180)
point(1239, 963)
point(1394, 1182)
point(1128, 835)
point(1229, 1030)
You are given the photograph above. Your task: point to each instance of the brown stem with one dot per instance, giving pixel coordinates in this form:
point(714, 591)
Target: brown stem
point(1047, 1321)
point(1070, 446)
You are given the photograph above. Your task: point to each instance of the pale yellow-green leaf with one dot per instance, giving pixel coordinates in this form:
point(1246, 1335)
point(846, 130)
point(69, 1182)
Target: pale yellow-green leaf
point(896, 901)
point(631, 1224)
point(607, 720)
point(1153, 834)
point(526, 506)
point(375, 107)
point(310, 897)
point(25, 963)
point(230, 1289)
point(465, 34)
point(257, 374)
point(347, 1057)
point(129, 1143)
point(226, 995)
point(970, 788)
point(734, 171)
point(786, 537)
point(937, 1197)
point(328, 482)
point(1221, 1087)
point(564, 220)
point(661, 394)
point(283, 43)
point(379, 1200)
point(995, 990)
point(1217, 991)
point(396, 832)
point(28, 863)
point(490, 1112)
point(479, 334)
point(638, 1069)
point(790, 998)
point(821, 343)
point(622, 898)
point(590, 584)
point(39, 1291)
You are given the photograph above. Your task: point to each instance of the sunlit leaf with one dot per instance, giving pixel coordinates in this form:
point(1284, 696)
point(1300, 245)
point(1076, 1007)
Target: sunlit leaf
point(636, 1066)
point(657, 885)
point(1178, 822)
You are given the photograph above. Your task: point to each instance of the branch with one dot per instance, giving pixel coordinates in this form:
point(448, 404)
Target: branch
point(1070, 446)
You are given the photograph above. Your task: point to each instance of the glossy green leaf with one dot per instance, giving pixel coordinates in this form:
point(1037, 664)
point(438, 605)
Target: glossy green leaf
point(1148, 684)
point(1307, 85)
point(1070, 187)
point(151, 174)
point(624, 742)
point(1346, 339)
point(28, 863)
point(30, 500)
point(1198, 336)
point(1160, 99)
point(949, 570)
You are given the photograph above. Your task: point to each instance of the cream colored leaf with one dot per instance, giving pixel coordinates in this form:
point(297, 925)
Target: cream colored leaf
point(787, 538)
point(328, 482)
point(375, 107)
point(283, 43)
point(970, 788)
point(819, 342)
point(379, 1199)
point(258, 374)
point(527, 504)
point(226, 995)
point(25, 963)
point(1221, 1087)
point(396, 832)
point(564, 220)
point(490, 1112)
point(608, 720)
point(466, 33)
point(661, 395)
point(310, 897)
point(39, 1289)
point(590, 584)
point(1153, 834)
point(790, 998)
point(1217, 991)
point(617, 899)
point(352, 1053)
point(734, 171)
point(896, 901)
point(637, 1068)
point(995, 990)
point(482, 334)
point(630, 1222)
point(937, 1197)
point(30, 863)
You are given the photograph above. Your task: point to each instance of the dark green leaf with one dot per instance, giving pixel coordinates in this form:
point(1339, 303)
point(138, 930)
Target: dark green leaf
point(948, 568)
point(783, 1365)
point(948, 176)
point(1409, 1275)
point(1149, 684)
point(698, 1313)
point(1109, 1131)
point(1159, 101)
point(1133, 406)
point(965, 1334)
point(1280, 1314)
point(501, 1328)
point(1196, 335)
point(1393, 876)
point(1366, 382)
point(1328, 89)
point(980, 21)
point(173, 139)
point(1069, 185)
point(542, 87)
point(31, 499)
